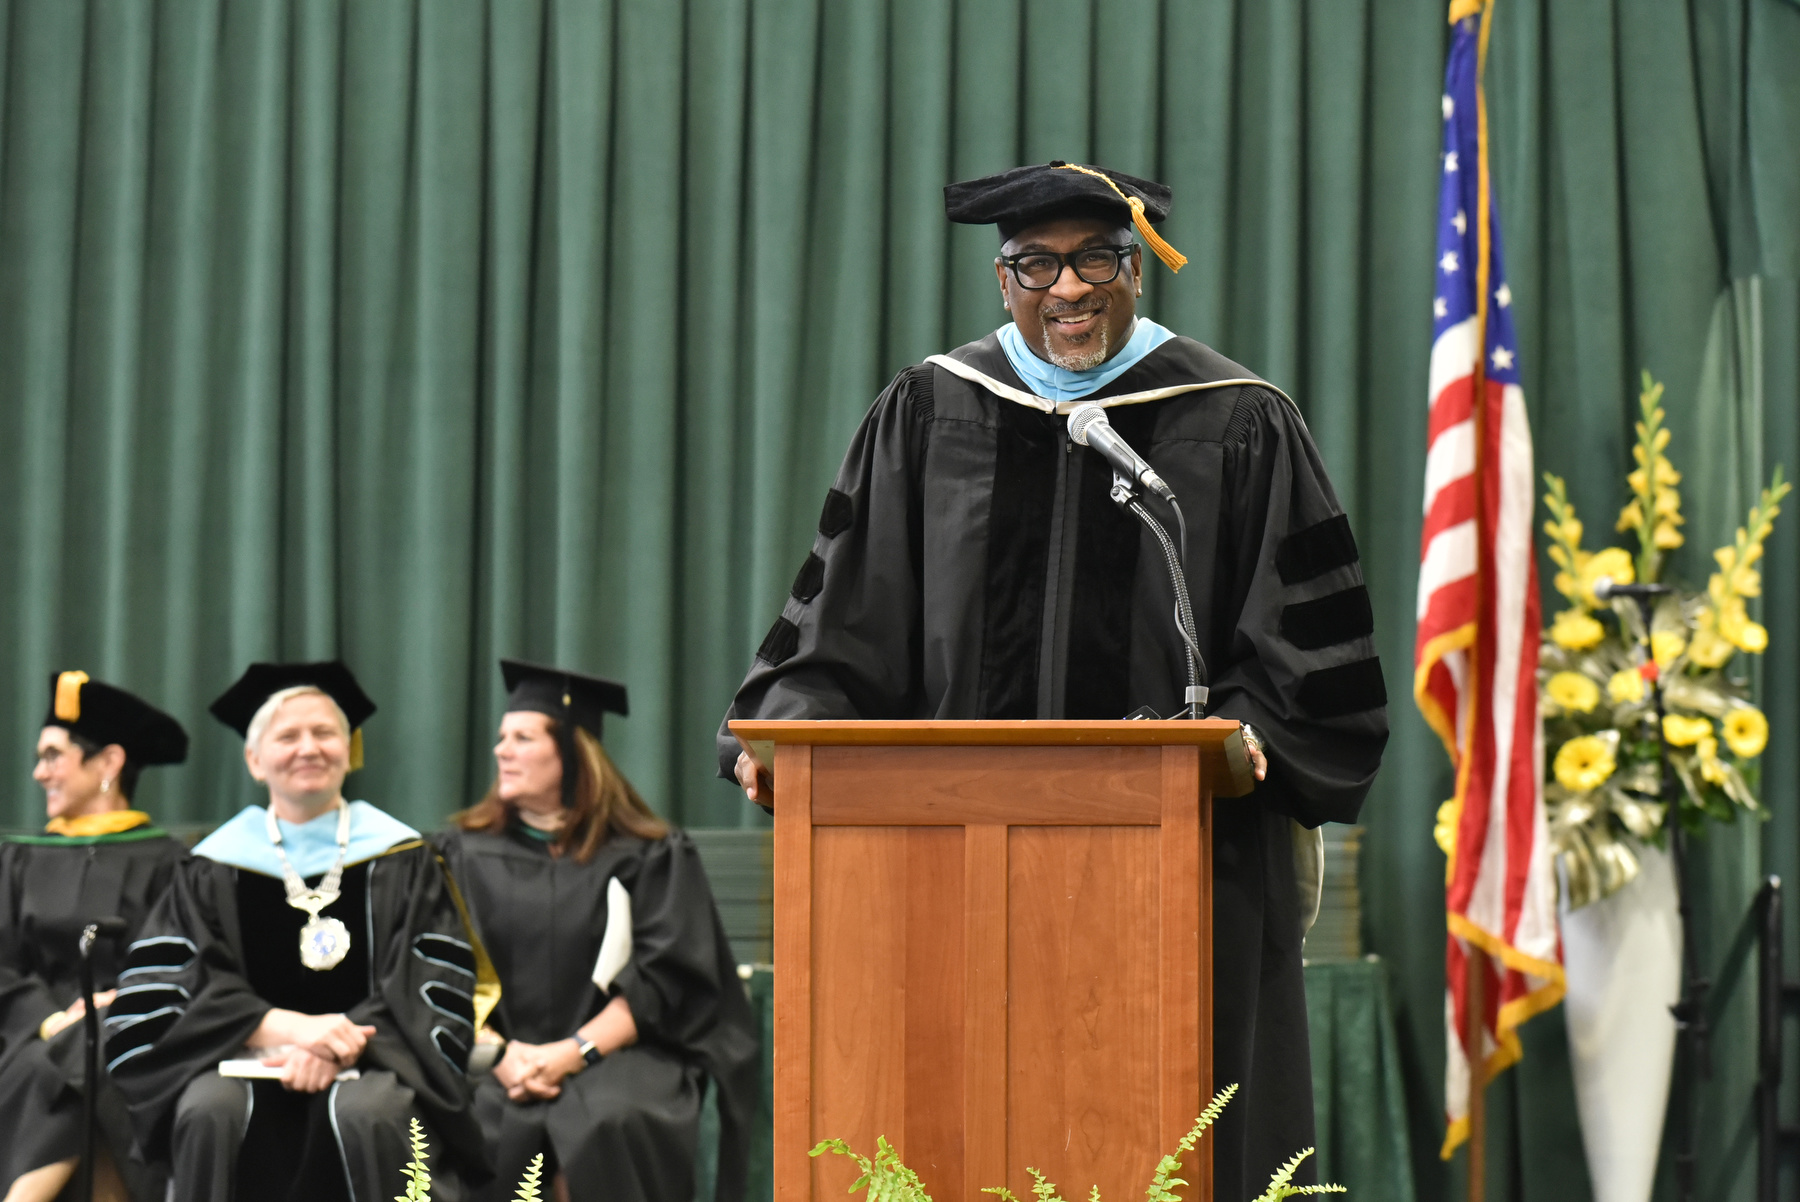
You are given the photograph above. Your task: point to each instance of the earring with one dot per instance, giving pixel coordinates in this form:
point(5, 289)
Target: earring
point(106, 785)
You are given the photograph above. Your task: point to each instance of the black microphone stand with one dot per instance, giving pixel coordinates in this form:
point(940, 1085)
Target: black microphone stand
point(1127, 495)
point(90, 1089)
point(109, 928)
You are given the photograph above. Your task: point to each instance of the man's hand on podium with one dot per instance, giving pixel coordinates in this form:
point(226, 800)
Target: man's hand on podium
point(758, 786)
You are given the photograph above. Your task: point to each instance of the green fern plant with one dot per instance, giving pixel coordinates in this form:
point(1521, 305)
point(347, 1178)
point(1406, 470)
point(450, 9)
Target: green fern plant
point(1279, 1187)
point(418, 1177)
point(528, 1188)
point(889, 1180)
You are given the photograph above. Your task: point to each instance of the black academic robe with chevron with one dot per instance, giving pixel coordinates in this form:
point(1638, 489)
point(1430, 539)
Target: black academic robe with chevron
point(50, 887)
point(970, 563)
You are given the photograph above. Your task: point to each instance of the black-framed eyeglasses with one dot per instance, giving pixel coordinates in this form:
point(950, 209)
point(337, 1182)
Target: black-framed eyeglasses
point(1037, 270)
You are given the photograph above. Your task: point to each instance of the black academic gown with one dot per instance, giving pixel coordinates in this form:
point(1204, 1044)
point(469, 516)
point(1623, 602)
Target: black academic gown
point(50, 887)
point(624, 1130)
point(971, 564)
point(204, 988)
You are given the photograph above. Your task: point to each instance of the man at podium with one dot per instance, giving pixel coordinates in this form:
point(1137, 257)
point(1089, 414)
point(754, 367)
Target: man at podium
point(971, 563)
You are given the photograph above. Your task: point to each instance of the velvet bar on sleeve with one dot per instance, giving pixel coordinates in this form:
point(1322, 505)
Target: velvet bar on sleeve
point(970, 563)
point(626, 1129)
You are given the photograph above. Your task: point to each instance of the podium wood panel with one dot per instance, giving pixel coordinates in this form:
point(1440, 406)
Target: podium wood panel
point(993, 954)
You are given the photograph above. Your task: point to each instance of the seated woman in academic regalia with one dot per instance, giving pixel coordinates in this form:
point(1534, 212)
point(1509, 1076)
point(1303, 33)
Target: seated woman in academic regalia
point(315, 942)
point(620, 995)
point(98, 858)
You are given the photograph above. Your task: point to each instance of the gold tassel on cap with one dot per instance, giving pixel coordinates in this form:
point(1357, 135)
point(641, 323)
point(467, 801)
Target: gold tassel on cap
point(356, 760)
point(68, 696)
point(1168, 254)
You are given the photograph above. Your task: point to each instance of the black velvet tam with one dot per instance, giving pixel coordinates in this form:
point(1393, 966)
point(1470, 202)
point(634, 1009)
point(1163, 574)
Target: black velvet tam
point(238, 704)
point(1026, 196)
point(563, 695)
point(105, 714)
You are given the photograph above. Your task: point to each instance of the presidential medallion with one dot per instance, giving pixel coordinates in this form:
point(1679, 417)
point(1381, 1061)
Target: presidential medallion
point(324, 942)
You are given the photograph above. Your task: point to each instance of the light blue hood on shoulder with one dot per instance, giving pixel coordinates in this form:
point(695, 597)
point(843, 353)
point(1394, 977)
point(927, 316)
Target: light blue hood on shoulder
point(243, 841)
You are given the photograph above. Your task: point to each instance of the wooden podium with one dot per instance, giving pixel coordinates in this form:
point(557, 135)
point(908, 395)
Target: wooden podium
point(993, 945)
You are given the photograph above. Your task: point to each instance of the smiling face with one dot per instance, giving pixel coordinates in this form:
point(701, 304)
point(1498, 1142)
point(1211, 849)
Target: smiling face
point(75, 784)
point(304, 753)
point(529, 763)
point(1073, 324)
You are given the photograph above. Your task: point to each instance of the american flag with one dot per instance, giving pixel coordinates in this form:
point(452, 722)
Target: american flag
point(1476, 656)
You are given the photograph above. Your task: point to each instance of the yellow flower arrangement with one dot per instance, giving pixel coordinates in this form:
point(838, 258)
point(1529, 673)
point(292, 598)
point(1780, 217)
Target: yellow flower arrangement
point(1626, 687)
point(1708, 650)
point(1712, 768)
point(1613, 563)
point(1444, 832)
point(1654, 512)
point(1603, 663)
point(1583, 764)
point(1573, 692)
point(1679, 730)
point(1746, 731)
point(1576, 631)
point(1666, 647)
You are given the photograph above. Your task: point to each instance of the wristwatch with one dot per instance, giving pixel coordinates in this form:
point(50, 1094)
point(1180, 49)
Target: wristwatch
point(590, 1053)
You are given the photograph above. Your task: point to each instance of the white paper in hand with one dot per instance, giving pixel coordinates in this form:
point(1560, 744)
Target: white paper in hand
point(615, 945)
point(256, 1070)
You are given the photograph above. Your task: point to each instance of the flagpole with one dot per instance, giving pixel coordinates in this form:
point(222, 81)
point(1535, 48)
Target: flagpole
point(1475, 993)
point(1474, 1025)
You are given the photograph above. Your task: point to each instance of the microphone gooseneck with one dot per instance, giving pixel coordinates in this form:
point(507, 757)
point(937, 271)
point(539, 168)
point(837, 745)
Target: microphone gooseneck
point(1088, 425)
point(1606, 588)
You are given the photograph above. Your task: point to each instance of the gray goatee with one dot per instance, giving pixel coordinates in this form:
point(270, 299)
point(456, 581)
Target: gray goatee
point(1081, 361)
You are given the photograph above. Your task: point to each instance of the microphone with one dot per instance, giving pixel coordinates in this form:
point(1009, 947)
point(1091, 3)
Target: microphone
point(1089, 427)
point(1606, 588)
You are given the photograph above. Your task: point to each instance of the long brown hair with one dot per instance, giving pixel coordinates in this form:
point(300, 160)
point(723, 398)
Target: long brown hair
point(605, 803)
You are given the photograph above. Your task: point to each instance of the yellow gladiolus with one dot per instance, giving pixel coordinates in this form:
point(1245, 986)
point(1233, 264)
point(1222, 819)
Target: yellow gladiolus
point(1712, 769)
point(1626, 687)
point(1613, 562)
point(1583, 764)
point(1445, 830)
point(1753, 637)
point(1576, 631)
point(1746, 731)
point(1573, 692)
point(1667, 538)
point(1666, 647)
point(1630, 517)
point(1708, 650)
point(1683, 731)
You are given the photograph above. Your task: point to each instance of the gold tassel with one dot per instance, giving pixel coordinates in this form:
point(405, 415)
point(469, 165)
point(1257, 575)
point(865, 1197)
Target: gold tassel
point(68, 696)
point(356, 752)
point(1173, 258)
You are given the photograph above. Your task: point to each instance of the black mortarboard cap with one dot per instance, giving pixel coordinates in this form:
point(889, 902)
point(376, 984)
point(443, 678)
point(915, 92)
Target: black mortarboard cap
point(1024, 196)
point(104, 714)
point(569, 697)
point(238, 704)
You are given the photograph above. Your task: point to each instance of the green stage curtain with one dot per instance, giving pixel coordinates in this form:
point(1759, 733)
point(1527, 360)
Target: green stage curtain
point(426, 332)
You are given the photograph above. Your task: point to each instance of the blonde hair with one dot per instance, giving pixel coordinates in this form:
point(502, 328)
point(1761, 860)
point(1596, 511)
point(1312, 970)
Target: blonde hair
point(265, 713)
